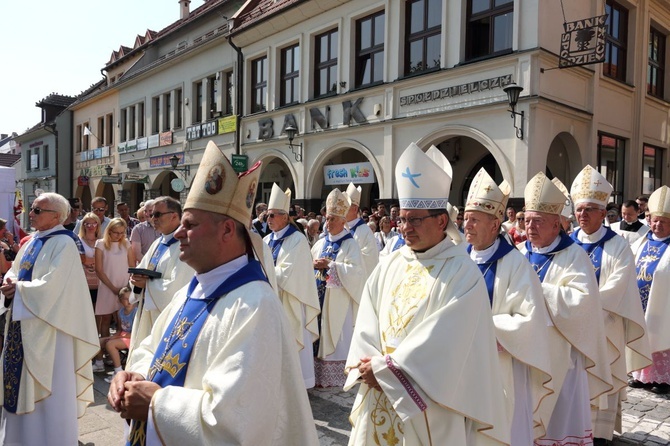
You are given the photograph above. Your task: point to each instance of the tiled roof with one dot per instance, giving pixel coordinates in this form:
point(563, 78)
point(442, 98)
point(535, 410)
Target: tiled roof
point(258, 10)
point(9, 159)
point(152, 36)
point(56, 100)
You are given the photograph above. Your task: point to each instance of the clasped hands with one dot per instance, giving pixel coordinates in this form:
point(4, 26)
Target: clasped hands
point(130, 395)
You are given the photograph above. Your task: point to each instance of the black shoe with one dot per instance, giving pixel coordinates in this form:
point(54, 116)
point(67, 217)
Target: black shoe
point(600, 442)
point(635, 384)
point(660, 389)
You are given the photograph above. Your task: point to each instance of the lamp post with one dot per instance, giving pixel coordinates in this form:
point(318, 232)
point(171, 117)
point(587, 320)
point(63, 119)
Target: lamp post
point(174, 162)
point(513, 91)
point(295, 149)
point(108, 170)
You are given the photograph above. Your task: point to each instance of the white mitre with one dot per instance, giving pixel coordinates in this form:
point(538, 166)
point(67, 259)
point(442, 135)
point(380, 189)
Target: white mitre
point(337, 203)
point(279, 199)
point(486, 196)
point(422, 179)
point(659, 202)
point(541, 195)
point(354, 194)
point(590, 187)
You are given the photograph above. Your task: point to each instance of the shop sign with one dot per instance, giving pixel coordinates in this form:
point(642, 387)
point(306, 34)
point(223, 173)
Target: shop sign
point(136, 178)
point(165, 138)
point(82, 181)
point(357, 173)
point(240, 163)
point(228, 124)
point(205, 130)
point(456, 90)
point(142, 144)
point(164, 160)
point(583, 42)
point(153, 141)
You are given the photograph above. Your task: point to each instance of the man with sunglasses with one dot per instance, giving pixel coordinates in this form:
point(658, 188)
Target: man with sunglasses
point(424, 348)
point(162, 257)
point(144, 234)
point(46, 375)
point(99, 208)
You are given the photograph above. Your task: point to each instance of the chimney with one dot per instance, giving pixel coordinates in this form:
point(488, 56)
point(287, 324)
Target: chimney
point(184, 10)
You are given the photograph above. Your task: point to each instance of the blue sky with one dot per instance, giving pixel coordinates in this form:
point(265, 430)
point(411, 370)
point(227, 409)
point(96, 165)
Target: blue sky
point(49, 46)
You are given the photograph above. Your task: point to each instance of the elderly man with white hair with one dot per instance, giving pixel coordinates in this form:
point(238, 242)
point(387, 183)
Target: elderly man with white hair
point(614, 266)
point(580, 363)
point(46, 363)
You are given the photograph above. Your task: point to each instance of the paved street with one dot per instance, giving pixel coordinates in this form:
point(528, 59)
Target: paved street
point(646, 418)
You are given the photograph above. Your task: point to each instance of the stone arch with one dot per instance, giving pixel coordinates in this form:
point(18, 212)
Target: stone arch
point(314, 180)
point(449, 131)
point(564, 160)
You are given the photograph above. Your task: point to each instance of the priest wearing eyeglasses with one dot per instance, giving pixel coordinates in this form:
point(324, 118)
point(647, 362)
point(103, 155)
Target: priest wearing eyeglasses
point(424, 349)
point(154, 295)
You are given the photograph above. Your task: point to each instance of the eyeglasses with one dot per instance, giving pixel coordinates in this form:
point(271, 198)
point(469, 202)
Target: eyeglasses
point(273, 215)
point(415, 221)
point(160, 214)
point(118, 232)
point(99, 209)
point(38, 211)
point(580, 210)
point(91, 225)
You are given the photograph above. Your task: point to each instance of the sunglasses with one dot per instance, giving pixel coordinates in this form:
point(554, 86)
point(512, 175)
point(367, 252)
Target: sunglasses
point(273, 215)
point(160, 214)
point(99, 209)
point(91, 225)
point(38, 211)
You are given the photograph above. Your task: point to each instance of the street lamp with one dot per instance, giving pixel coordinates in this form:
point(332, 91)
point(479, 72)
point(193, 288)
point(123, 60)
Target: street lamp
point(174, 162)
point(108, 169)
point(296, 149)
point(513, 91)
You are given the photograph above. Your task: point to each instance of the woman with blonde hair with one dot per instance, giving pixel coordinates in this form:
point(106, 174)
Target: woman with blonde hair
point(89, 233)
point(113, 257)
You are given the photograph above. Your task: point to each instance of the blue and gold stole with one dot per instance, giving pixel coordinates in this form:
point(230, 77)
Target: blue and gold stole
point(647, 263)
point(594, 250)
point(173, 353)
point(399, 243)
point(275, 244)
point(541, 261)
point(159, 251)
point(329, 251)
point(488, 268)
point(12, 364)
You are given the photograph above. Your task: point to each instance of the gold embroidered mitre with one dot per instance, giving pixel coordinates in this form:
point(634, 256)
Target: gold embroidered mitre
point(659, 202)
point(590, 187)
point(280, 200)
point(423, 179)
point(218, 188)
point(337, 203)
point(354, 194)
point(486, 196)
point(541, 195)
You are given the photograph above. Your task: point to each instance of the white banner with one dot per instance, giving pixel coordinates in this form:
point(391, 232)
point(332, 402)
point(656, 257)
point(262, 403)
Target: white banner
point(357, 173)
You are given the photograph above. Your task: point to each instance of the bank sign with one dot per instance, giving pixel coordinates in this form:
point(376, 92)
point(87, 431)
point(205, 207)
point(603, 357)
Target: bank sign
point(357, 173)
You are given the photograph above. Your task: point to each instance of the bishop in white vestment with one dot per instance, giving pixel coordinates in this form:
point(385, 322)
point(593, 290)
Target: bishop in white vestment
point(519, 312)
point(340, 277)
point(424, 348)
point(292, 262)
point(614, 267)
point(579, 348)
point(361, 232)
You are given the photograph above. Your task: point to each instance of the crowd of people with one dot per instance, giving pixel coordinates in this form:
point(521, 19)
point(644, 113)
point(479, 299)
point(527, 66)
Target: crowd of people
point(482, 324)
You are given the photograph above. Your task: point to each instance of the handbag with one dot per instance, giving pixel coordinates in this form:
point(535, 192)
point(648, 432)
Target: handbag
point(91, 278)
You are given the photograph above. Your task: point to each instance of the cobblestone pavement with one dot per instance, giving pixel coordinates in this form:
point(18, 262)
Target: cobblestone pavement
point(646, 418)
